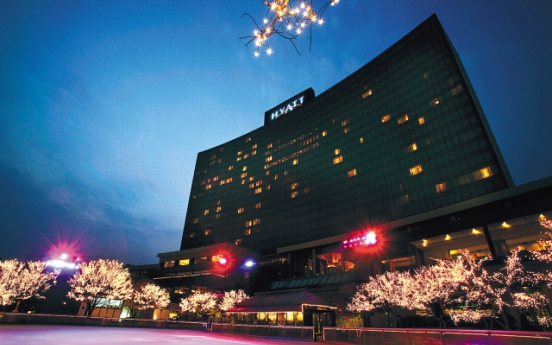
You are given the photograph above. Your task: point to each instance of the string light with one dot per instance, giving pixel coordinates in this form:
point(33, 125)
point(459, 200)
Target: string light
point(287, 19)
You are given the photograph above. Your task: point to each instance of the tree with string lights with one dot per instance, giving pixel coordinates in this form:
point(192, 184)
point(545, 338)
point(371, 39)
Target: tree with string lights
point(100, 279)
point(151, 296)
point(199, 303)
point(22, 280)
point(465, 290)
point(231, 298)
point(287, 19)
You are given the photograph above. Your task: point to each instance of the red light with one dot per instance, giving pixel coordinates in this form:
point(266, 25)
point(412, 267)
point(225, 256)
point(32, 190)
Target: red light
point(222, 261)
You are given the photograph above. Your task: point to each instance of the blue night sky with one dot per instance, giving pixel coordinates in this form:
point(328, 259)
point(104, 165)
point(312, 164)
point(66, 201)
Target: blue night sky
point(104, 105)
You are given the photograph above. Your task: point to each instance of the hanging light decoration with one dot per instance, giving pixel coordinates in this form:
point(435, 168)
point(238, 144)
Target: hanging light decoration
point(287, 19)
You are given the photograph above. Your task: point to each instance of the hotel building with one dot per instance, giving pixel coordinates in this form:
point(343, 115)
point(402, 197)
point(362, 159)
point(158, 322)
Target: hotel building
point(401, 148)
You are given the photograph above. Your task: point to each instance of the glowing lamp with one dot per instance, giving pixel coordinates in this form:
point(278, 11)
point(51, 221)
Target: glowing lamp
point(222, 261)
point(249, 263)
point(368, 239)
point(63, 256)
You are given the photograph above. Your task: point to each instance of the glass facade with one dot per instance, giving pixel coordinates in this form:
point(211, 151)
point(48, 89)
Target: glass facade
point(401, 136)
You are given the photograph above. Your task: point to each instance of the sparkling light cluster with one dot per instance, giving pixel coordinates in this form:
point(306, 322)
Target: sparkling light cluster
point(286, 18)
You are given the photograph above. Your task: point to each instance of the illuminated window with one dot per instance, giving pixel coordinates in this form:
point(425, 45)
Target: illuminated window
point(219, 208)
point(254, 146)
point(421, 120)
point(216, 258)
point(441, 187)
point(207, 232)
point(267, 187)
point(196, 220)
point(295, 161)
point(351, 173)
point(294, 185)
point(258, 205)
point(485, 172)
point(251, 185)
point(345, 123)
point(259, 190)
point(249, 223)
point(412, 147)
point(245, 156)
point(192, 234)
point(367, 94)
point(268, 159)
point(254, 152)
point(361, 140)
point(256, 221)
point(247, 232)
point(237, 242)
point(434, 102)
point(259, 183)
point(251, 178)
point(238, 159)
point(337, 151)
point(206, 212)
point(169, 264)
point(267, 172)
point(184, 262)
point(482, 173)
point(222, 182)
point(244, 168)
point(228, 180)
point(243, 175)
point(247, 140)
point(346, 130)
point(415, 170)
point(324, 133)
point(294, 194)
point(241, 210)
point(231, 167)
point(269, 146)
point(426, 75)
point(239, 153)
point(338, 160)
point(276, 176)
point(208, 186)
point(385, 118)
point(215, 178)
point(456, 90)
point(403, 199)
point(402, 119)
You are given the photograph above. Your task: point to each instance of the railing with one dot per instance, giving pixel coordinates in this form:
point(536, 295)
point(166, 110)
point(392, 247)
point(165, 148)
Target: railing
point(98, 321)
point(295, 332)
point(417, 336)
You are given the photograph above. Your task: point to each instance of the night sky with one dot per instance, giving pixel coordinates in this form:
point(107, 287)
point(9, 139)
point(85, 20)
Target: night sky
point(104, 105)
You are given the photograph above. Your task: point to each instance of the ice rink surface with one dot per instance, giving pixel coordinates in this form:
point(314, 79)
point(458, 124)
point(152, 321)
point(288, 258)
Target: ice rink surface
point(83, 335)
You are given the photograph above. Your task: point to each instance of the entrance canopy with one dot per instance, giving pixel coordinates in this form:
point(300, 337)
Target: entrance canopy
point(284, 301)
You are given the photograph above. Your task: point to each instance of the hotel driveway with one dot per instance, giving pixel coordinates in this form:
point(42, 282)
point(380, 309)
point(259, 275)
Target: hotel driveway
point(80, 335)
